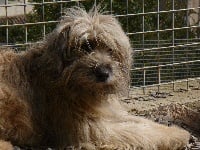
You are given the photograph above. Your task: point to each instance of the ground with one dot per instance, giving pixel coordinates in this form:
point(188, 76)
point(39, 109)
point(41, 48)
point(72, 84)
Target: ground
point(166, 95)
point(180, 106)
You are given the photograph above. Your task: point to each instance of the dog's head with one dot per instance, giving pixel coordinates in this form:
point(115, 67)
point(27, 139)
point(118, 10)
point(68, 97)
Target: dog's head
point(96, 52)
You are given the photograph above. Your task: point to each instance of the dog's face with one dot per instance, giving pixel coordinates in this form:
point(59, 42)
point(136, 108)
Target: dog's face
point(95, 51)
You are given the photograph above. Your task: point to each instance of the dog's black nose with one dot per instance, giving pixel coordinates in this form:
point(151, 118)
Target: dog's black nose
point(102, 73)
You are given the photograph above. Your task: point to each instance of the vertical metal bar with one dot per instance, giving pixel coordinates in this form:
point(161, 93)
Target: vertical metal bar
point(187, 37)
point(6, 9)
point(61, 8)
point(127, 28)
point(111, 6)
point(26, 37)
point(158, 25)
point(95, 3)
point(159, 78)
point(173, 44)
point(143, 26)
point(144, 72)
point(43, 20)
point(144, 81)
point(158, 42)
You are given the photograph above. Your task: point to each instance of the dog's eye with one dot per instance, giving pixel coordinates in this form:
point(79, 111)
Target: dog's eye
point(88, 46)
point(110, 51)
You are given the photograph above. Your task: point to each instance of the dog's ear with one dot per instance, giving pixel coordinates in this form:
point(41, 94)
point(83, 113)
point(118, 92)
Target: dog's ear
point(62, 43)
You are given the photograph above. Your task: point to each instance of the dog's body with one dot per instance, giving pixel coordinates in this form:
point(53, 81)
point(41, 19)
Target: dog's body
point(66, 90)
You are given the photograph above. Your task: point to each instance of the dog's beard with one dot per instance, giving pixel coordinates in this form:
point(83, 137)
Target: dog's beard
point(88, 78)
point(90, 81)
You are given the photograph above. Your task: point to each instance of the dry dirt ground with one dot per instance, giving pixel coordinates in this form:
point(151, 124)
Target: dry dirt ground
point(180, 106)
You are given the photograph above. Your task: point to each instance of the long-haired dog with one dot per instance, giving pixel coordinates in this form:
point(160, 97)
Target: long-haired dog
point(65, 91)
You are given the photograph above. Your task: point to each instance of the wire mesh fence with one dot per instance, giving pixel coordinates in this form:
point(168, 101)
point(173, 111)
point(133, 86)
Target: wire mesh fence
point(164, 33)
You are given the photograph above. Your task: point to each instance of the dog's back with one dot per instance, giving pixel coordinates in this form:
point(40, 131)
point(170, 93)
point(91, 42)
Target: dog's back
point(6, 56)
point(14, 112)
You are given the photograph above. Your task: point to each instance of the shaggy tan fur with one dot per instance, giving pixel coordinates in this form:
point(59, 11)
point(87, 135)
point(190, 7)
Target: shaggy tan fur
point(66, 90)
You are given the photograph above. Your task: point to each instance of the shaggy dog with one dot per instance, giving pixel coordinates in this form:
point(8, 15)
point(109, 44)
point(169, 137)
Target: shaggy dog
point(65, 91)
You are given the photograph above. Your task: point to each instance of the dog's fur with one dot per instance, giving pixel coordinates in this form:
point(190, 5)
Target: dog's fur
point(65, 91)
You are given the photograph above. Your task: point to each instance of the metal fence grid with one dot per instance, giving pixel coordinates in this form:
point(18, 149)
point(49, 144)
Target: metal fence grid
point(164, 33)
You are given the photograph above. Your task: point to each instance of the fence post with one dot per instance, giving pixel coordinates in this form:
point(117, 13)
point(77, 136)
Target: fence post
point(159, 78)
point(144, 81)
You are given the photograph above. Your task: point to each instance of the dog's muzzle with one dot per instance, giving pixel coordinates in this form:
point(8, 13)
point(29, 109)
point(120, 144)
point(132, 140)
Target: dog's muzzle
point(102, 73)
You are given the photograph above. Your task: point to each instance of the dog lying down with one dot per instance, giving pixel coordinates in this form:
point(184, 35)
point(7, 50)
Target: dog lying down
point(65, 91)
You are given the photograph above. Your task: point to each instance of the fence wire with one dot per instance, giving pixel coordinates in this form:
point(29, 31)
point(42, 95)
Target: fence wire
point(165, 34)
